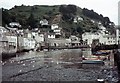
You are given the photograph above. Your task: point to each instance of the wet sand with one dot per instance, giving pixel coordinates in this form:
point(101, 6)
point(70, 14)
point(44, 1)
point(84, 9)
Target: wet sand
point(61, 65)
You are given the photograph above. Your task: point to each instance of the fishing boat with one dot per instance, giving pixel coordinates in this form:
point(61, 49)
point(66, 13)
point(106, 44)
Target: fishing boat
point(102, 52)
point(92, 62)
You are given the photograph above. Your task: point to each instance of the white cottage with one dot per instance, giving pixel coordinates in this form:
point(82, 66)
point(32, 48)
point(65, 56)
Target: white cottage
point(38, 36)
point(3, 30)
point(75, 41)
point(77, 19)
point(3, 44)
point(29, 43)
point(51, 35)
point(44, 22)
point(57, 31)
point(106, 39)
point(14, 26)
point(54, 26)
point(12, 39)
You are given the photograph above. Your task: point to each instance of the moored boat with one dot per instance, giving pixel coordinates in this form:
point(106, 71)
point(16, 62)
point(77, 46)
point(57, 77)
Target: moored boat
point(92, 62)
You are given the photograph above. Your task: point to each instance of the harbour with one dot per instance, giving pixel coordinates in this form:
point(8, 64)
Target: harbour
point(59, 43)
point(56, 65)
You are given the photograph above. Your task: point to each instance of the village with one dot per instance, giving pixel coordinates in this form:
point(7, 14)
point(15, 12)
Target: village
point(15, 40)
point(60, 41)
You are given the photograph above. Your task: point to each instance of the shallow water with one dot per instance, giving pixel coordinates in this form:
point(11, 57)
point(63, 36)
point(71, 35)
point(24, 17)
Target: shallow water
point(64, 65)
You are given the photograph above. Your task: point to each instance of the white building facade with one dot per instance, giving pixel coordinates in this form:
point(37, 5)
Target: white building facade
point(51, 36)
point(15, 24)
point(101, 37)
point(44, 22)
point(39, 37)
point(29, 43)
point(54, 26)
point(12, 40)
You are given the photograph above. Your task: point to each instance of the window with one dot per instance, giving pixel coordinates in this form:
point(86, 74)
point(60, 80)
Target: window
point(118, 42)
point(104, 42)
point(86, 40)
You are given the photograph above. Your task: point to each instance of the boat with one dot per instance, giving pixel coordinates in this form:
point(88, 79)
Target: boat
point(92, 62)
point(101, 52)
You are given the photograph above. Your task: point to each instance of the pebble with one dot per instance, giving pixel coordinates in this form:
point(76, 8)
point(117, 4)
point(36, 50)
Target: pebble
point(33, 61)
point(11, 61)
point(52, 61)
point(23, 64)
point(57, 63)
point(18, 62)
point(20, 70)
point(3, 63)
point(47, 66)
point(33, 66)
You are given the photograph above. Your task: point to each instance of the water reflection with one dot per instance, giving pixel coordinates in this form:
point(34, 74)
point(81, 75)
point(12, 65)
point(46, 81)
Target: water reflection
point(55, 63)
point(86, 53)
point(64, 58)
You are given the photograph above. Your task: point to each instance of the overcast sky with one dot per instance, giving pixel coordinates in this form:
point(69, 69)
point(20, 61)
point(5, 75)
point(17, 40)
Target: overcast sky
point(107, 8)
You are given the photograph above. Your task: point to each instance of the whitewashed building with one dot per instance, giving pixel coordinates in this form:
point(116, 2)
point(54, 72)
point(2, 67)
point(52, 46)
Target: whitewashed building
point(51, 35)
point(54, 26)
point(12, 39)
point(106, 39)
point(29, 43)
point(44, 22)
point(57, 31)
point(39, 37)
point(14, 26)
point(3, 30)
point(28, 34)
point(3, 44)
point(75, 41)
point(77, 19)
point(102, 36)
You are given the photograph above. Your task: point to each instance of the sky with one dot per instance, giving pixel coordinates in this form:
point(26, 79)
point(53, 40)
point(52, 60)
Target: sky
point(107, 8)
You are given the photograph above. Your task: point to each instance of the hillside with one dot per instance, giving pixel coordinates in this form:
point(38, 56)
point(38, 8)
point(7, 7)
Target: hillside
point(62, 14)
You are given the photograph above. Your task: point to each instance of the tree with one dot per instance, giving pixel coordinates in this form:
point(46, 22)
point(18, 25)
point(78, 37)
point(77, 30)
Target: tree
point(72, 9)
point(31, 21)
point(6, 18)
point(62, 9)
point(68, 12)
